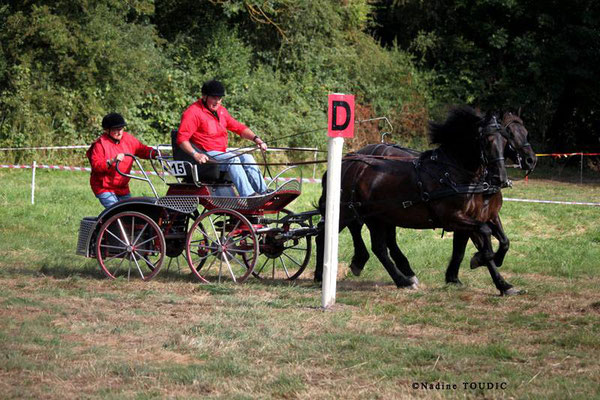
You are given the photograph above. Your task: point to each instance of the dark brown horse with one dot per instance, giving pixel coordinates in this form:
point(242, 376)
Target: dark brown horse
point(517, 149)
point(443, 188)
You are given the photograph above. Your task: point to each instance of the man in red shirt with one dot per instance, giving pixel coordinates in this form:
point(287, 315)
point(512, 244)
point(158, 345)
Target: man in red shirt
point(108, 186)
point(203, 135)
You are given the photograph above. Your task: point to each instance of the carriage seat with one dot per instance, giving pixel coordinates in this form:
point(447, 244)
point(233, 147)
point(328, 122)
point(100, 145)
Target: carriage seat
point(206, 173)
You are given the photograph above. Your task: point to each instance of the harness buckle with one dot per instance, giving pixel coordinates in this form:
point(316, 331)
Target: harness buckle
point(407, 204)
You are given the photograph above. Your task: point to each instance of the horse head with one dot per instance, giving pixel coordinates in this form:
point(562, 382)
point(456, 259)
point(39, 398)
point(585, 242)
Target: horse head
point(518, 148)
point(494, 139)
point(476, 142)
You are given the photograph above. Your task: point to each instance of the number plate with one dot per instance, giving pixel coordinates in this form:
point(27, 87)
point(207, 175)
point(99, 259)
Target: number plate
point(177, 168)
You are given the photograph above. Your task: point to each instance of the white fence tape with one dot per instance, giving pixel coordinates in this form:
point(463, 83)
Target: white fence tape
point(579, 203)
point(43, 148)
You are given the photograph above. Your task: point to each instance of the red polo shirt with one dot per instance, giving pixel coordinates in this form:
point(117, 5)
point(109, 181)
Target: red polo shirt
point(105, 178)
point(206, 130)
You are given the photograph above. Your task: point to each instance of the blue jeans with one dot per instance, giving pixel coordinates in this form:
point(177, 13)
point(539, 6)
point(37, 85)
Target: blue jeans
point(107, 199)
point(246, 178)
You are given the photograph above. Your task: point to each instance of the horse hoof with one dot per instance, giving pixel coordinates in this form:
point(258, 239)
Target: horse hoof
point(513, 292)
point(414, 280)
point(474, 263)
point(355, 270)
point(414, 286)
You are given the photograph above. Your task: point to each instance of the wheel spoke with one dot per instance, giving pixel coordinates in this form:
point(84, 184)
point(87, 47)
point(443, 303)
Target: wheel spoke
point(204, 257)
point(118, 267)
point(214, 229)
point(230, 270)
point(108, 246)
point(122, 228)
point(116, 256)
point(211, 247)
point(233, 230)
point(138, 266)
point(149, 263)
point(146, 241)
point(259, 271)
point(304, 249)
point(135, 242)
point(200, 228)
point(234, 258)
point(287, 273)
point(291, 259)
point(116, 237)
point(209, 265)
point(236, 241)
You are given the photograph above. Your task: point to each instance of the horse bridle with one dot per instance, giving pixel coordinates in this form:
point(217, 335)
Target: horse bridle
point(491, 129)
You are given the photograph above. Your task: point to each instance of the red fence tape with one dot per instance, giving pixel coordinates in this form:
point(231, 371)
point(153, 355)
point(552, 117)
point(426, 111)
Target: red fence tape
point(557, 155)
point(87, 169)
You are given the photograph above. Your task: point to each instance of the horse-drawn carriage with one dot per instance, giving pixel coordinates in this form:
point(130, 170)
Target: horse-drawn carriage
point(223, 237)
point(455, 186)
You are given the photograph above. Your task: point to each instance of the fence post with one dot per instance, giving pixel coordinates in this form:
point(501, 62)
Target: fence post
point(315, 165)
point(33, 182)
point(581, 169)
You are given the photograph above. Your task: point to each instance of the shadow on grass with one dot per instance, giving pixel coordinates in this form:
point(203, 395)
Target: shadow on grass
point(91, 270)
point(308, 283)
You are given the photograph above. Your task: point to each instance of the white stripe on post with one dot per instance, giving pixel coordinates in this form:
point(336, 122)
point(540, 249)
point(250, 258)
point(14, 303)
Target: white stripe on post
point(332, 218)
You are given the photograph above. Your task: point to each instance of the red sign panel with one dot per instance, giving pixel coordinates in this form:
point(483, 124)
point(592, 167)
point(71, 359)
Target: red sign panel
point(341, 116)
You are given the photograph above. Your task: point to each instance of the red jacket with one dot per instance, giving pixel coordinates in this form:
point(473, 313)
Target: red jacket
point(105, 178)
point(203, 129)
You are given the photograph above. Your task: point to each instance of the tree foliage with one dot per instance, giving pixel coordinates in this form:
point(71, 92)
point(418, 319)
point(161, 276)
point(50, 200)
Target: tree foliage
point(539, 56)
point(65, 63)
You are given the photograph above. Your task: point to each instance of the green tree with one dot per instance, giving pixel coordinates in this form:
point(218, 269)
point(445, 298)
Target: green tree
point(69, 63)
point(283, 57)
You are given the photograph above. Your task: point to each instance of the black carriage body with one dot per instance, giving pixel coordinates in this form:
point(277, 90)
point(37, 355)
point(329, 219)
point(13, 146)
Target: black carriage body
point(170, 213)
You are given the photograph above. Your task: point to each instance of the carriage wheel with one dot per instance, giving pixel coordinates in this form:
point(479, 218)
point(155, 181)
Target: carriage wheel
point(283, 260)
point(222, 246)
point(130, 242)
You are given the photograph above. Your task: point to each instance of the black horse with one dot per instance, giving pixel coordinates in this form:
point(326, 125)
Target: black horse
point(517, 149)
point(449, 187)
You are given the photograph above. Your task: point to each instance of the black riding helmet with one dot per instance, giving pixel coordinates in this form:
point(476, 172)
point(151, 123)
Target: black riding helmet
point(213, 88)
point(113, 121)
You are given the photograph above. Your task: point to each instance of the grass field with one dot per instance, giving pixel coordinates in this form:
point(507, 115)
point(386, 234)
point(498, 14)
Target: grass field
point(67, 332)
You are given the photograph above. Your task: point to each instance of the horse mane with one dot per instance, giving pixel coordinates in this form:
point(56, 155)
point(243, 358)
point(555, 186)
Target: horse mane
point(461, 127)
point(509, 117)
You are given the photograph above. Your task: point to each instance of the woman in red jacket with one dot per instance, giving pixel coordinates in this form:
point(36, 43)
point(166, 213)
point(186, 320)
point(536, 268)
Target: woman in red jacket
point(108, 186)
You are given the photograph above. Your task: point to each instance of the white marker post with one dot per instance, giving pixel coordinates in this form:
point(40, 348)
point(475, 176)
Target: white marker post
point(33, 168)
point(340, 125)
